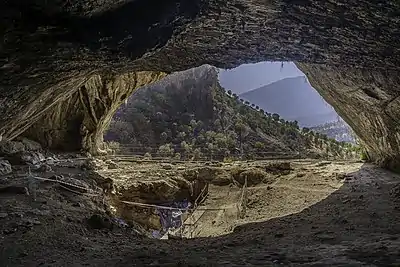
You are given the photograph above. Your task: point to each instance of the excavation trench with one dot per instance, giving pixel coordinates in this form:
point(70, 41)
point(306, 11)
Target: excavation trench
point(160, 207)
point(169, 201)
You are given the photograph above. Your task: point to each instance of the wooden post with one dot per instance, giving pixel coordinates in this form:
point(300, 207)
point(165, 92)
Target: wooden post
point(244, 203)
point(181, 225)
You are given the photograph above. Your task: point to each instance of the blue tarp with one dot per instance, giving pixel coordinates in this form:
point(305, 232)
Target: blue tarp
point(172, 218)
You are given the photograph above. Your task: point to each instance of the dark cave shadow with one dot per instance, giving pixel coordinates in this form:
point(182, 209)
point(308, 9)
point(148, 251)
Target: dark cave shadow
point(359, 222)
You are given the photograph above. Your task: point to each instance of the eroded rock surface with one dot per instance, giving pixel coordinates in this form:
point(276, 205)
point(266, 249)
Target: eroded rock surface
point(369, 100)
point(50, 50)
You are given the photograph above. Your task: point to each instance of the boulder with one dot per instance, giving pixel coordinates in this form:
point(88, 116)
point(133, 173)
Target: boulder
point(18, 146)
point(254, 176)
point(5, 167)
point(105, 183)
point(11, 147)
point(30, 145)
point(94, 164)
point(222, 178)
point(25, 157)
point(112, 165)
point(278, 167)
point(202, 173)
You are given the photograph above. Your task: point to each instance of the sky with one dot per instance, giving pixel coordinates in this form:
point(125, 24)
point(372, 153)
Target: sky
point(251, 76)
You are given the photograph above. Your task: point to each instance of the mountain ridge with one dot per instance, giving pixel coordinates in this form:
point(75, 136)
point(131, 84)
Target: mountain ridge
point(288, 78)
point(293, 98)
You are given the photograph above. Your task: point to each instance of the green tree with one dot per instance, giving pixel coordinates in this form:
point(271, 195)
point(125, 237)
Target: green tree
point(196, 154)
point(186, 149)
point(259, 145)
point(275, 117)
point(242, 132)
point(166, 150)
point(296, 124)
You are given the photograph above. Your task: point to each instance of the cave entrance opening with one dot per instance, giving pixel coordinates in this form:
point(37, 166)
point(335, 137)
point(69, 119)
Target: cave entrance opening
point(212, 121)
point(262, 110)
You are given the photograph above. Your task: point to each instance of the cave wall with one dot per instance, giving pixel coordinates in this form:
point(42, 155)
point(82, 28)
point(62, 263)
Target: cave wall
point(369, 101)
point(50, 49)
point(79, 121)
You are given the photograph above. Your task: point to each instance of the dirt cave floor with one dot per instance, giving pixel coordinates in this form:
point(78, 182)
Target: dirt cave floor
point(319, 214)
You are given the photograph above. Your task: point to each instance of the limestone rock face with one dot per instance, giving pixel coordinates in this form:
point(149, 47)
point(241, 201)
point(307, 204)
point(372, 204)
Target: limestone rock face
point(80, 120)
point(51, 50)
point(369, 100)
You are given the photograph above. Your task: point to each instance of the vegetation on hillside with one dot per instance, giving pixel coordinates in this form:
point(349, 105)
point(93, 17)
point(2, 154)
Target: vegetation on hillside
point(337, 130)
point(191, 116)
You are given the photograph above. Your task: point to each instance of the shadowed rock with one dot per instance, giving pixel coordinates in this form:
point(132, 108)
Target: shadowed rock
point(52, 50)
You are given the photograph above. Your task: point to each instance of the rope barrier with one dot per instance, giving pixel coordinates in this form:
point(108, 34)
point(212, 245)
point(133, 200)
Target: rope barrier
point(164, 207)
point(80, 193)
point(64, 184)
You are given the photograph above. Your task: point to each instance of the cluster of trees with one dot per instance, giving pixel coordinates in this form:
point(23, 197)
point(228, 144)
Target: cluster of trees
point(193, 117)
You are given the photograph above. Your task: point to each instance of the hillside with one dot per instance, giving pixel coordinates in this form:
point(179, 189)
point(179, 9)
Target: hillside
point(293, 99)
point(338, 130)
point(189, 115)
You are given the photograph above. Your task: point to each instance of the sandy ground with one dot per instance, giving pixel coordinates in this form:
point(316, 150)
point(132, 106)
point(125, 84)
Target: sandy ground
point(311, 217)
point(309, 183)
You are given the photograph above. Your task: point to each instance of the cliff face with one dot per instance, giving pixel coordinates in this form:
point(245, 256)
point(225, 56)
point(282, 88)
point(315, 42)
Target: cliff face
point(50, 49)
point(369, 101)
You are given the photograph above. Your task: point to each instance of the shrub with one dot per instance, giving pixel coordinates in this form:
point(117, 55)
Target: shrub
point(364, 155)
point(113, 146)
point(166, 150)
point(228, 159)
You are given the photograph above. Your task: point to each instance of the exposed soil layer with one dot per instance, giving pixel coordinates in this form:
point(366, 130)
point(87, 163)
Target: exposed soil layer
point(344, 214)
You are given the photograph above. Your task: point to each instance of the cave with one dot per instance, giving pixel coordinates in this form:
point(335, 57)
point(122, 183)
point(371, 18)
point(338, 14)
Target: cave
point(66, 67)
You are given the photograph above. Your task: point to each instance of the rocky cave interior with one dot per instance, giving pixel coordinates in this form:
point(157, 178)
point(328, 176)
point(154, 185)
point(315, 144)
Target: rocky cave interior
point(66, 67)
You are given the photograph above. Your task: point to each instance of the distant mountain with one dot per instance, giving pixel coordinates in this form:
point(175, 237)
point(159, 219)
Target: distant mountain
point(249, 76)
point(293, 99)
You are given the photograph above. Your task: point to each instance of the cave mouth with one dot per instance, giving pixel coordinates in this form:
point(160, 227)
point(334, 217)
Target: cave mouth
point(178, 124)
point(162, 120)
